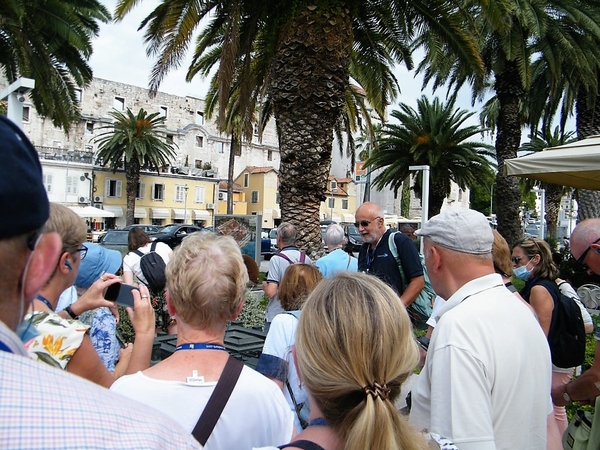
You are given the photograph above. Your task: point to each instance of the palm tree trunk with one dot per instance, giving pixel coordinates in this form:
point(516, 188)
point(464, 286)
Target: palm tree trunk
point(232, 153)
point(437, 195)
point(553, 197)
point(132, 177)
point(588, 124)
point(509, 90)
point(311, 74)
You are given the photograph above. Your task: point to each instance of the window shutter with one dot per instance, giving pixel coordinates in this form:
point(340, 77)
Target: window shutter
point(119, 188)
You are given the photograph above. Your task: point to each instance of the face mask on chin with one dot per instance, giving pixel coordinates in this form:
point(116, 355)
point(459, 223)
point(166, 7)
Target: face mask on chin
point(522, 273)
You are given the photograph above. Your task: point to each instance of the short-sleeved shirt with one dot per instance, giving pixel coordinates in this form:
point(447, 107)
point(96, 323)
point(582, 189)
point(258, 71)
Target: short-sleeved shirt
point(277, 267)
point(336, 261)
point(382, 264)
point(131, 261)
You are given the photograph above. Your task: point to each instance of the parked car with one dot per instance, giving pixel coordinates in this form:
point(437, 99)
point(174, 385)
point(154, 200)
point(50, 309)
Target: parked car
point(115, 240)
point(355, 240)
point(146, 227)
point(173, 234)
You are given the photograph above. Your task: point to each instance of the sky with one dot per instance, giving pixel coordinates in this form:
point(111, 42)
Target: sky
point(120, 55)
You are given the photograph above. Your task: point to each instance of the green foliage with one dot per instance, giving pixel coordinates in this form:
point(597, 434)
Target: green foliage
point(481, 190)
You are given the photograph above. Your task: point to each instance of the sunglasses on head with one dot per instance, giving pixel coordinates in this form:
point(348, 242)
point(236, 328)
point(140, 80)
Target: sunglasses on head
point(365, 223)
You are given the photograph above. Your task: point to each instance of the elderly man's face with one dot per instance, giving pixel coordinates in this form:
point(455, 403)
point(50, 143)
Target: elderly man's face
point(369, 225)
point(588, 256)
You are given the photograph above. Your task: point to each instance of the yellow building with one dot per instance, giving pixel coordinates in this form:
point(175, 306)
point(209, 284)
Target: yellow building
point(260, 187)
point(160, 200)
point(340, 204)
point(240, 205)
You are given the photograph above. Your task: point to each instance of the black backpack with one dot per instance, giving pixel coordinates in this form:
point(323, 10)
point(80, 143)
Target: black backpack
point(567, 334)
point(153, 267)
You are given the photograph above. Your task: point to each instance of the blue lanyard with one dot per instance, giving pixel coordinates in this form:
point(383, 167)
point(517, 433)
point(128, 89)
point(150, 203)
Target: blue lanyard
point(5, 348)
point(200, 346)
point(45, 301)
point(318, 422)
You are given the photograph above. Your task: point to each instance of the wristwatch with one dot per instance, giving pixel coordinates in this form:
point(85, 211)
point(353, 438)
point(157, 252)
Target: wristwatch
point(566, 395)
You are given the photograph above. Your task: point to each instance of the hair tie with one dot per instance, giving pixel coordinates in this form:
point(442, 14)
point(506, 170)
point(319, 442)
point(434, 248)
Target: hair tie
point(377, 390)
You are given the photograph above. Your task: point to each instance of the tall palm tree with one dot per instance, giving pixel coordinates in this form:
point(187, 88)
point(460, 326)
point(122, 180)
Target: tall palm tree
point(51, 42)
point(435, 135)
point(297, 55)
point(135, 141)
point(512, 34)
point(542, 139)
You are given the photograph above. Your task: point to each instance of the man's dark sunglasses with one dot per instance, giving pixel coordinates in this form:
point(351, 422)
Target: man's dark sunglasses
point(584, 254)
point(365, 223)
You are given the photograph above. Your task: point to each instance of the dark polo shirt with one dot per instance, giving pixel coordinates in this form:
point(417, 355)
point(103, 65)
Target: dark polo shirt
point(382, 264)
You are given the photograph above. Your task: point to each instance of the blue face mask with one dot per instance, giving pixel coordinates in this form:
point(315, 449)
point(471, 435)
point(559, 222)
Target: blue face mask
point(522, 273)
point(26, 330)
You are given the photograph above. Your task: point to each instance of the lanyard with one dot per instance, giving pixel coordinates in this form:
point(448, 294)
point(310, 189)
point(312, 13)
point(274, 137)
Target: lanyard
point(5, 348)
point(200, 346)
point(45, 301)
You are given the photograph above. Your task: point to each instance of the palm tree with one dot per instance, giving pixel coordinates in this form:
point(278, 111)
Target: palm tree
point(297, 58)
point(433, 135)
point(512, 34)
point(137, 142)
point(542, 139)
point(51, 42)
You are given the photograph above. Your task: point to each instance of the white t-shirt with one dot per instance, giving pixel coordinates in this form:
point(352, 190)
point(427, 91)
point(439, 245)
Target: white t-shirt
point(278, 350)
point(131, 261)
point(487, 376)
point(255, 415)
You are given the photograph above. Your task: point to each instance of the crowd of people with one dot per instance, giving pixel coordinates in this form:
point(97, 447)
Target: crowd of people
point(339, 340)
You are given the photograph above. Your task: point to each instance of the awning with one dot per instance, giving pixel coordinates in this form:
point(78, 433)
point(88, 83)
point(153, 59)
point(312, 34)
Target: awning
point(348, 218)
point(160, 213)
point(116, 210)
point(276, 213)
point(90, 211)
point(179, 214)
point(140, 213)
point(200, 214)
point(336, 218)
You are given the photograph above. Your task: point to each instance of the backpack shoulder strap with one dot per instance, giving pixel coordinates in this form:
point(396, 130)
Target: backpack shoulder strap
point(302, 257)
point(137, 252)
point(296, 314)
point(153, 246)
point(217, 401)
point(394, 252)
point(284, 256)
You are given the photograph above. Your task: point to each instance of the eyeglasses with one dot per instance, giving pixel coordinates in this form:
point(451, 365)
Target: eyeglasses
point(82, 252)
point(584, 254)
point(365, 223)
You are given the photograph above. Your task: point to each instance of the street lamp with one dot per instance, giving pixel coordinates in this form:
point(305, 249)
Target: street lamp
point(331, 202)
point(185, 191)
point(491, 200)
point(424, 196)
point(542, 193)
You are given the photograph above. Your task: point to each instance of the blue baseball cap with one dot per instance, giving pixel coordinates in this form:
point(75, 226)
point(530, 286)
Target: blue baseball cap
point(23, 199)
point(98, 260)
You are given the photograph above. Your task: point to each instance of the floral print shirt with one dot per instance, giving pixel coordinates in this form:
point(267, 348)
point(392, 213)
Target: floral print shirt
point(58, 338)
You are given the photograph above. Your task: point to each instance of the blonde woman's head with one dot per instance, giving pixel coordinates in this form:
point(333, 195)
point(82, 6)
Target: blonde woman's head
point(355, 347)
point(206, 280)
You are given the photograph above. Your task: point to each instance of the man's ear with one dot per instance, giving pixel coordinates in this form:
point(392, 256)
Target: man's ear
point(42, 263)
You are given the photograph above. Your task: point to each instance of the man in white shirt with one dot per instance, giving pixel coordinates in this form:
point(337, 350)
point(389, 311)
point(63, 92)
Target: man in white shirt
point(487, 376)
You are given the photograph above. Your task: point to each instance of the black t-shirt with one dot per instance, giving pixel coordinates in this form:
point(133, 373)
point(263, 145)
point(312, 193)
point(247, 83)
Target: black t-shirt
point(382, 264)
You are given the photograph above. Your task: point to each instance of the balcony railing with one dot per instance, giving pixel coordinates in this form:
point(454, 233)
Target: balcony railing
point(61, 154)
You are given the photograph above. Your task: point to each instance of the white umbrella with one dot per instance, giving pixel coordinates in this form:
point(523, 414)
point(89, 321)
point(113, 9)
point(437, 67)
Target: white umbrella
point(90, 211)
point(576, 164)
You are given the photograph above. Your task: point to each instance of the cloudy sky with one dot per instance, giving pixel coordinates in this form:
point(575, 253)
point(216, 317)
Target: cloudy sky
point(120, 55)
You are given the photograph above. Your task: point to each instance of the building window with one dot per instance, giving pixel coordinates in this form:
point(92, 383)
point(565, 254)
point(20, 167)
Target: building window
point(163, 111)
point(158, 191)
point(47, 180)
point(330, 202)
point(269, 155)
point(255, 129)
point(246, 180)
point(170, 138)
point(198, 163)
point(180, 193)
point(333, 185)
point(72, 185)
point(113, 188)
point(199, 118)
point(277, 198)
point(140, 191)
point(89, 127)
point(254, 196)
point(344, 203)
point(219, 147)
point(119, 104)
point(78, 95)
point(199, 194)
point(460, 195)
point(199, 141)
point(26, 113)
point(57, 144)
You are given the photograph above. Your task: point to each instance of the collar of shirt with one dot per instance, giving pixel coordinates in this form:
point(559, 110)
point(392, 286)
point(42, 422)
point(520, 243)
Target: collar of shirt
point(11, 340)
point(473, 287)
